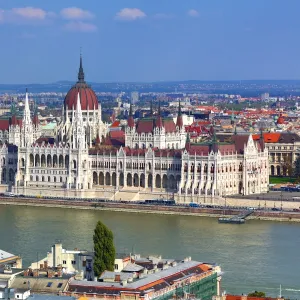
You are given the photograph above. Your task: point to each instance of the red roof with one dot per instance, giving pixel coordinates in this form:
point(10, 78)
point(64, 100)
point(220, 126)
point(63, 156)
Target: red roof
point(88, 98)
point(115, 124)
point(148, 125)
point(280, 120)
point(4, 124)
point(239, 297)
point(117, 134)
point(270, 137)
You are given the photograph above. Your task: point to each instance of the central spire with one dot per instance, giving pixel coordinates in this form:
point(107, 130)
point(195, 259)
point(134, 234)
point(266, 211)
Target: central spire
point(81, 73)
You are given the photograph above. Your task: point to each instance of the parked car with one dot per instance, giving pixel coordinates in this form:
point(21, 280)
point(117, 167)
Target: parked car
point(276, 209)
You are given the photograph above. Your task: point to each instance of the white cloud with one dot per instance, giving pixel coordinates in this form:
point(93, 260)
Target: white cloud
point(80, 27)
point(130, 14)
point(75, 13)
point(25, 15)
point(30, 13)
point(193, 13)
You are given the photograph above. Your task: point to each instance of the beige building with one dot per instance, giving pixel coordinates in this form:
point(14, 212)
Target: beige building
point(76, 261)
point(284, 148)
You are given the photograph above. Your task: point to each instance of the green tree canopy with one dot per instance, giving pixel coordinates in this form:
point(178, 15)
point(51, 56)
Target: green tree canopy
point(104, 249)
point(257, 294)
point(297, 167)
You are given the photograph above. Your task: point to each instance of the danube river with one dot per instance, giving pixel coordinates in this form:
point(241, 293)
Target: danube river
point(258, 255)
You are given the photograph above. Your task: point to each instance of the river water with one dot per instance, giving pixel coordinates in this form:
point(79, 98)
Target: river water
point(258, 255)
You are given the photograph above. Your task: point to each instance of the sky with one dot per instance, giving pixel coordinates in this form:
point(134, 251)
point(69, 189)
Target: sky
point(149, 40)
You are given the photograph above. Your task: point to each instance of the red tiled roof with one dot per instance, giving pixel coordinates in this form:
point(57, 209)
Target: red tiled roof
point(4, 124)
point(88, 98)
point(269, 137)
point(239, 297)
point(148, 125)
point(117, 134)
point(115, 124)
point(145, 126)
point(169, 125)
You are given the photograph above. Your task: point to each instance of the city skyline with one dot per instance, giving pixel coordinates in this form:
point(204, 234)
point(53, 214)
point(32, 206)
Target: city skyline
point(138, 41)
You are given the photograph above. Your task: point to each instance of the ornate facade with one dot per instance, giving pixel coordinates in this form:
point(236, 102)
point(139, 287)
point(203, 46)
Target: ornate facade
point(156, 158)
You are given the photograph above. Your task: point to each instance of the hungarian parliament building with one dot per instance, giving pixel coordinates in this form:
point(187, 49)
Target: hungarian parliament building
point(156, 159)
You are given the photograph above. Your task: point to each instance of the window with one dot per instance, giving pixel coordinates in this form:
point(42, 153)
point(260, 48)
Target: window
point(64, 262)
point(59, 285)
point(73, 262)
point(49, 284)
point(116, 266)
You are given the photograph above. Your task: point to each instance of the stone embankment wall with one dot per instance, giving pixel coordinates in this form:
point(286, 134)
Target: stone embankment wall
point(140, 208)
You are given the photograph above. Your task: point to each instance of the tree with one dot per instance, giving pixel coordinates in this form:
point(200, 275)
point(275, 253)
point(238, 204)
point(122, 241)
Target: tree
point(287, 165)
point(297, 167)
point(104, 249)
point(257, 294)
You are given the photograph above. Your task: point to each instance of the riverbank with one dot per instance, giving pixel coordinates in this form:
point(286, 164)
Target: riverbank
point(153, 209)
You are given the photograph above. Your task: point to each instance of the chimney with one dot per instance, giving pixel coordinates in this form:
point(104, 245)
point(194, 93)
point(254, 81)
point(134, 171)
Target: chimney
point(117, 278)
point(45, 264)
point(50, 274)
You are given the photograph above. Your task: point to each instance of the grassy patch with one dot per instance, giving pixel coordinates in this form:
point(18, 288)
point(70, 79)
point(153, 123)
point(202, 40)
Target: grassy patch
point(276, 180)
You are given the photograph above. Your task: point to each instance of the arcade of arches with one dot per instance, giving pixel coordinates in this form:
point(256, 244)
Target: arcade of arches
point(168, 182)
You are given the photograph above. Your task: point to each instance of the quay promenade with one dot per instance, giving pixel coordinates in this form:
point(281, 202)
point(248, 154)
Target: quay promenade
point(260, 213)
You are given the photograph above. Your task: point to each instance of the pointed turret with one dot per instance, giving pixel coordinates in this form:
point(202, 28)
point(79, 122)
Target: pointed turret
point(97, 141)
point(130, 120)
point(262, 140)
point(188, 141)
point(159, 122)
point(214, 141)
point(78, 113)
point(81, 73)
point(151, 108)
point(27, 128)
point(179, 122)
point(26, 114)
point(13, 114)
point(35, 116)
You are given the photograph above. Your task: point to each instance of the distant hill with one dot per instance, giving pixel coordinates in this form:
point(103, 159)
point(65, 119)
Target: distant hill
point(243, 87)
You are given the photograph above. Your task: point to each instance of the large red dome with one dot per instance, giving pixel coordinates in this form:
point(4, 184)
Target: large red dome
point(88, 98)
